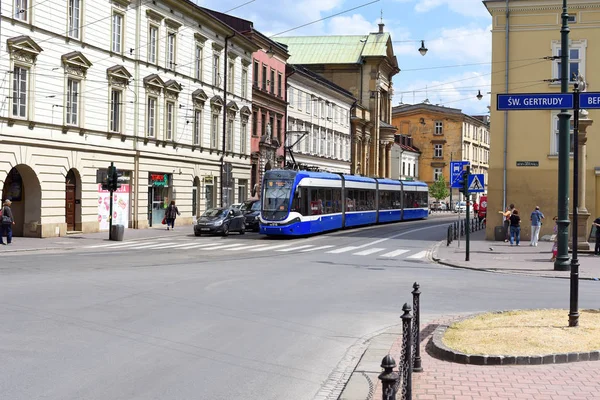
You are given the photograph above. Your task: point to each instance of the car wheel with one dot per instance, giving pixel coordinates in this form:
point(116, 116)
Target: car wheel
point(197, 234)
point(243, 229)
point(226, 230)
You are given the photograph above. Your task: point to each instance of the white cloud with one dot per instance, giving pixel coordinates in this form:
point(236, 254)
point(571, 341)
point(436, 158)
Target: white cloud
point(355, 24)
point(469, 8)
point(472, 45)
point(459, 91)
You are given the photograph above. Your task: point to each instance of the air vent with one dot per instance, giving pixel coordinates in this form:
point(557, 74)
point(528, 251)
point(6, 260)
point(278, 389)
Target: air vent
point(572, 19)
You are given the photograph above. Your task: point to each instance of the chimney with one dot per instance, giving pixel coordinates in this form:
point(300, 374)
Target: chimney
point(381, 25)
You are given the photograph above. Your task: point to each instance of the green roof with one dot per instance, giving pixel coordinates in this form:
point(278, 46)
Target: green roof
point(334, 49)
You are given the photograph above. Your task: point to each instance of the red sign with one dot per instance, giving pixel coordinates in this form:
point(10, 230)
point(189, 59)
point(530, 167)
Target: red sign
point(157, 177)
point(482, 206)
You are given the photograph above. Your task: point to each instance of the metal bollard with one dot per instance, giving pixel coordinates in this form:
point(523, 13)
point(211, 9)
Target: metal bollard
point(416, 325)
point(388, 378)
point(406, 359)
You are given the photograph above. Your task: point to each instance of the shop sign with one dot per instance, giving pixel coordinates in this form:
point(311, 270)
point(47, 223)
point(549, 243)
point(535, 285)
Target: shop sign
point(120, 202)
point(528, 163)
point(208, 180)
point(159, 180)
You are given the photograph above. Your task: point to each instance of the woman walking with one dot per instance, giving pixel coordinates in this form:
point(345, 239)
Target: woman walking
point(6, 222)
point(171, 213)
point(515, 227)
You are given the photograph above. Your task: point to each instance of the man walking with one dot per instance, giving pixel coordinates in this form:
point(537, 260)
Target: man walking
point(536, 224)
point(506, 214)
point(597, 248)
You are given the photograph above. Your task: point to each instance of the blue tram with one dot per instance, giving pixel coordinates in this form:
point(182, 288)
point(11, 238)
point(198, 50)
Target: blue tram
point(299, 203)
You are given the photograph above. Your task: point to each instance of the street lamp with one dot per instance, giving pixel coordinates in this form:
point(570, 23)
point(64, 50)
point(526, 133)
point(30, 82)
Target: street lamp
point(270, 52)
point(423, 49)
point(479, 95)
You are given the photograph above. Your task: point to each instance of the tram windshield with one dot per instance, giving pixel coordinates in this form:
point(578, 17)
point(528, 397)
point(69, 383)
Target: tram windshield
point(276, 198)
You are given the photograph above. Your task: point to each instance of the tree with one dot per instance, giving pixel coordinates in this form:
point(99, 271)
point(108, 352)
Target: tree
point(439, 190)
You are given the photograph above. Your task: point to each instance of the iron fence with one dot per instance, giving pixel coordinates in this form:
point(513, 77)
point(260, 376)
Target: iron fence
point(459, 228)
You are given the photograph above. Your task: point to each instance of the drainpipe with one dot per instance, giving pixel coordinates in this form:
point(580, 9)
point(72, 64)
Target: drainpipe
point(225, 68)
point(507, 30)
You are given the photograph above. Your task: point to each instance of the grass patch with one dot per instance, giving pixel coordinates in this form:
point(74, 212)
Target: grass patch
point(525, 333)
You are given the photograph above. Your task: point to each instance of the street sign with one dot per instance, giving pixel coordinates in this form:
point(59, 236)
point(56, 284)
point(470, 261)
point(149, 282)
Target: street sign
point(456, 170)
point(589, 100)
point(534, 101)
point(476, 183)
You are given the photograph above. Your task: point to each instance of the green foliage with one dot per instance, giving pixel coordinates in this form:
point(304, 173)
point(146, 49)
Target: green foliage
point(439, 189)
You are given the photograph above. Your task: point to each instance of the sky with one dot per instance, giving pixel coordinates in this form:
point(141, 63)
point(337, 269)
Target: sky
point(456, 32)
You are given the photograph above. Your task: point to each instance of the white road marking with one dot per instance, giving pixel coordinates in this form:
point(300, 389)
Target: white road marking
point(223, 246)
point(272, 247)
point(418, 255)
point(316, 248)
point(297, 248)
point(394, 253)
point(196, 246)
point(248, 247)
point(369, 251)
point(152, 245)
point(344, 249)
point(122, 244)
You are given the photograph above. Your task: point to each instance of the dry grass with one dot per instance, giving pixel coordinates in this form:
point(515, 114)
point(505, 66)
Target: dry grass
point(531, 332)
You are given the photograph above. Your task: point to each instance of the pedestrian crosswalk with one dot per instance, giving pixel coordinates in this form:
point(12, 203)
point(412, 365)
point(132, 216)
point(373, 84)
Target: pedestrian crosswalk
point(288, 247)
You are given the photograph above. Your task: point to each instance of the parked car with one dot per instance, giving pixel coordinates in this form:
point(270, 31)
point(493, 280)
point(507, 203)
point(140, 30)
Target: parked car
point(251, 211)
point(461, 207)
point(438, 206)
point(220, 221)
point(237, 206)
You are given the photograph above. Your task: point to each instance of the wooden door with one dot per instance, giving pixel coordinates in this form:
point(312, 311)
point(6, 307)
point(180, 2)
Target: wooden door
point(70, 207)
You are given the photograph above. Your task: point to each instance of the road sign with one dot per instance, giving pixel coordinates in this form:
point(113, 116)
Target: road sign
point(589, 100)
point(534, 101)
point(476, 183)
point(456, 170)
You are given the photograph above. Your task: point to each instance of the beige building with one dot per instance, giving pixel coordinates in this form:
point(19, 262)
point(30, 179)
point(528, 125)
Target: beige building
point(364, 65)
point(444, 134)
point(524, 158)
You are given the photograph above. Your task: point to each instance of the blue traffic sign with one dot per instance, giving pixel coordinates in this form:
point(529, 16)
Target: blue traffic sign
point(456, 171)
point(534, 101)
point(589, 100)
point(476, 183)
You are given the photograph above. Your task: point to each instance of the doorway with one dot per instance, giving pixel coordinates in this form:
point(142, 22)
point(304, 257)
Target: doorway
point(70, 202)
point(22, 187)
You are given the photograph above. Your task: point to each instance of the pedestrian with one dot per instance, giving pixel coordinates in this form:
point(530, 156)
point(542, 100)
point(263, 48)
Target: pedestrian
point(515, 227)
point(171, 213)
point(597, 225)
point(506, 214)
point(536, 223)
point(6, 222)
point(555, 245)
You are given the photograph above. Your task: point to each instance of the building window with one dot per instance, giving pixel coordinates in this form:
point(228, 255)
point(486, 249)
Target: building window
point(231, 76)
point(437, 173)
point(315, 106)
point(264, 78)
point(20, 86)
point(152, 44)
point(308, 102)
point(214, 131)
point(255, 124)
point(229, 142)
point(403, 168)
point(242, 190)
point(216, 76)
point(117, 32)
point(74, 18)
point(151, 117)
point(197, 127)
point(170, 119)
point(244, 82)
point(115, 110)
point(21, 10)
point(198, 62)
point(243, 137)
point(272, 82)
point(329, 111)
point(291, 97)
point(279, 78)
point(439, 128)
point(300, 100)
point(555, 139)
point(271, 124)
point(279, 126)
point(577, 50)
point(322, 109)
point(437, 151)
point(171, 64)
point(72, 101)
point(255, 75)
point(263, 124)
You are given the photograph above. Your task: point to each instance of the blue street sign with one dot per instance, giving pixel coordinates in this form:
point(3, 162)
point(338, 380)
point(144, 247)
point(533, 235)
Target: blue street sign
point(476, 183)
point(456, 171)
point(589, 100)
point(534, 101)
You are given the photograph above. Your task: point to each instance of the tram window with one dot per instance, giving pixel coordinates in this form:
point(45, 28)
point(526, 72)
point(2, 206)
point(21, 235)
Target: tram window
point(328, 209)
point(316, 202)
point(370, 199)
point(397, 202)
point(337, 200)
point(300, 203)
point(351, 200)
point(362, 200)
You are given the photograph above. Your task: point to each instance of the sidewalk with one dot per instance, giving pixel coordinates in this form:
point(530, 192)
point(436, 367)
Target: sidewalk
point(502, 258)
point(79, 240)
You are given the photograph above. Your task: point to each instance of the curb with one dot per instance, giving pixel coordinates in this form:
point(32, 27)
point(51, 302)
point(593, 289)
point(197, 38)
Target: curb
point(438, 349)
point(437, 259)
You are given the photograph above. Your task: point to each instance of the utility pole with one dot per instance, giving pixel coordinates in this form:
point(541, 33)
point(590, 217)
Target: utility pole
point(564, 150)
point(450, 205)
point(467, 220)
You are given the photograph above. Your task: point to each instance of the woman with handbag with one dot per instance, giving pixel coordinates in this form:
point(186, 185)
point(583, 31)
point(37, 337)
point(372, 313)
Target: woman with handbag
point(171, 213)
point(7, 221)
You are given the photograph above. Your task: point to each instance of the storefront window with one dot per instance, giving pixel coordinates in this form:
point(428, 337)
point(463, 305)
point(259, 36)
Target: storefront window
point(159, 196)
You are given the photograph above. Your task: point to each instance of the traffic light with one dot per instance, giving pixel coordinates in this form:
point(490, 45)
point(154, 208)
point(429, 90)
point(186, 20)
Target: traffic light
point(464, 181)
point(112, 182)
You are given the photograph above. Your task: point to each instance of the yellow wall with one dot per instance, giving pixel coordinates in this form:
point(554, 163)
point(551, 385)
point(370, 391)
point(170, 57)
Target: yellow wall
point(532, 30)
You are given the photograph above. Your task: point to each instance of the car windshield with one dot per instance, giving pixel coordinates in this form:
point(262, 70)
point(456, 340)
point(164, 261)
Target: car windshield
point(215, 212)
point(462, 204)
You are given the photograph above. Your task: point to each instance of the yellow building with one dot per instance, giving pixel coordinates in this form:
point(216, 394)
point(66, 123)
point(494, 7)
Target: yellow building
point(443, 135)
point(524, 158)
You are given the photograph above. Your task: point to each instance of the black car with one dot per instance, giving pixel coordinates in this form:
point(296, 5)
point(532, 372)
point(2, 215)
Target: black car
point(251, 211)
point(220, 220)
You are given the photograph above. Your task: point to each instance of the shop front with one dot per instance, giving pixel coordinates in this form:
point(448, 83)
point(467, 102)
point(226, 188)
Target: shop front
point(159, 195)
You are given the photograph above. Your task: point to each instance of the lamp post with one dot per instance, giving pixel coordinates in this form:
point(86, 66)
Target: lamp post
point(450, 208)
point(564, 149)
point(574, 290)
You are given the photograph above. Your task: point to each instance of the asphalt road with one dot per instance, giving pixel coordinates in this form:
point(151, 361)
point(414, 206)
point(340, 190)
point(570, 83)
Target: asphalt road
point(227, 320)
